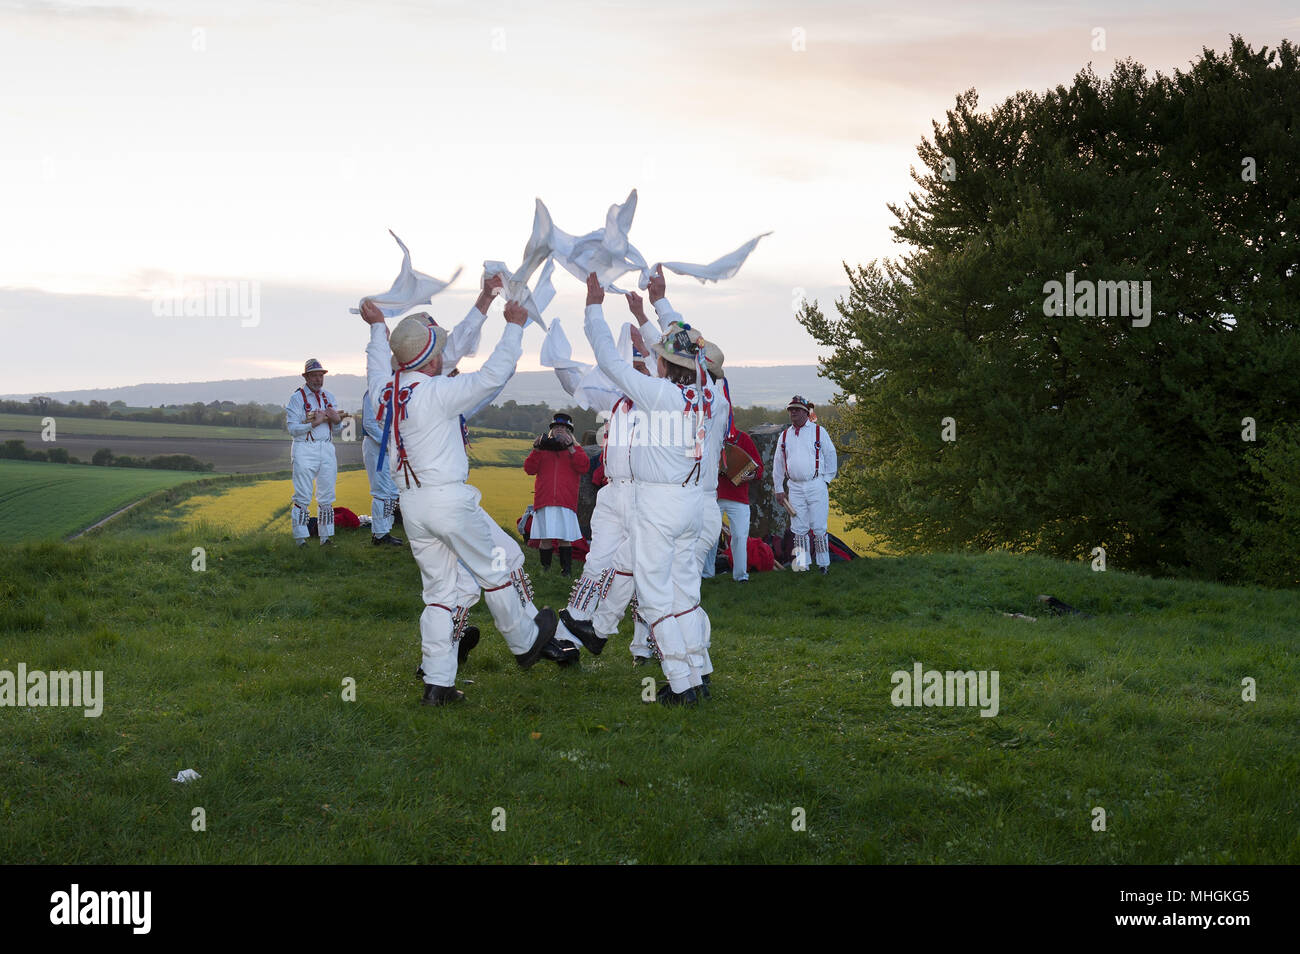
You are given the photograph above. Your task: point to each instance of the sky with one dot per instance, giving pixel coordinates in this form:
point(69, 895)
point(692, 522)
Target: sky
point(271, 145)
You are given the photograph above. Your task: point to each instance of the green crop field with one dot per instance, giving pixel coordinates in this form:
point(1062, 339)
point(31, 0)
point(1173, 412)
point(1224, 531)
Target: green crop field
point(92, 427)
point(50, 501)
point(239, 671)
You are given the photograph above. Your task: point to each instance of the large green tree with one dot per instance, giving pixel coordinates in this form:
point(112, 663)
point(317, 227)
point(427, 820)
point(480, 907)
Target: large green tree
point(1078, 430)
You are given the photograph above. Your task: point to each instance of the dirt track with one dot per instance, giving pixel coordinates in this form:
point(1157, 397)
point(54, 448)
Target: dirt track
point(229, 456)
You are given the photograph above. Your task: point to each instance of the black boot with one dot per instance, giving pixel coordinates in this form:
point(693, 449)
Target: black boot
point(468, 640)
point(546, 557)
point(546, 622)
point(566, 560)
point(441, 695)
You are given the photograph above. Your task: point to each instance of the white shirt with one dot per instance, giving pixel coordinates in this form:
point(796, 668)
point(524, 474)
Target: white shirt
point(801, 456)
point(430, 429)
point(296, 412)
point(662, 453)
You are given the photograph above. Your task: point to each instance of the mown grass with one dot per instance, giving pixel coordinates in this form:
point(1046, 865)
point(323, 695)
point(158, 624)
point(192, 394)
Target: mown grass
point(43, 501)
point(106, 427)
point(238, 671)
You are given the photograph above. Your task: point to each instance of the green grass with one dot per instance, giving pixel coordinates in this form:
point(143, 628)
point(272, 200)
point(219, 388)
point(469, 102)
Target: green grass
point(50, 501)
point(237, 672)
point(92, 427)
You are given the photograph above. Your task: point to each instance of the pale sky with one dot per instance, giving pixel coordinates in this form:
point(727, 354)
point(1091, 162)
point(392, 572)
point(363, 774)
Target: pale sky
point(276, 142)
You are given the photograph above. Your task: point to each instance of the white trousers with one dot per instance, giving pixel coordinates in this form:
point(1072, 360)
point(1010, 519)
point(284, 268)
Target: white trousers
point(666, 565)
point(446, 524)
point(709, 536)
point(313, 462)
point(737, 514)
point(812, 508)
point(383, 489)
point(605, 588)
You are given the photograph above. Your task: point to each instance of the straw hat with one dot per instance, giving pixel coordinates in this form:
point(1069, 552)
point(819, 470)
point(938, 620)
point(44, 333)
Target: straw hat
point(312, 365)
point(416, 340)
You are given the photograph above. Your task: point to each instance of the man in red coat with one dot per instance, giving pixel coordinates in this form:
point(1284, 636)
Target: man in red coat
point(557, 462)
point(733, 501)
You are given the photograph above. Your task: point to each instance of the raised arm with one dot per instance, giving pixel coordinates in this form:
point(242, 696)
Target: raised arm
point(379, 359)
point(641, 389)
point(657, 290)
point(465, 392)
point(463, 340)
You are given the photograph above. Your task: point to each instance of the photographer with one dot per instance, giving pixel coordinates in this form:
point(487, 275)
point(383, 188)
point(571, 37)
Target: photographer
point(557, 462)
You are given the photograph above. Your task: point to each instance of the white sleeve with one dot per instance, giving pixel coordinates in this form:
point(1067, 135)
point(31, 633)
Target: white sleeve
point(641, 389)
point(295, 416)
point(830, 463)
point(778, 466)
point(463, 340)
point(379, 361)
point(466, 391)
point(666, 314)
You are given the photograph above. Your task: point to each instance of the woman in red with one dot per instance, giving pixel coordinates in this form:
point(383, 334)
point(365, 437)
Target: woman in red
point(557, 462)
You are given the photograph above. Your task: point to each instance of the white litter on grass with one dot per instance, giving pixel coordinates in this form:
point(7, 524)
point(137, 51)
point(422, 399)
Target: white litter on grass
point(187, 775)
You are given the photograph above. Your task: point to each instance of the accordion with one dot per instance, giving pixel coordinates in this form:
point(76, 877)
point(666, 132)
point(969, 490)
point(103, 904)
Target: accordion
point(737, 464)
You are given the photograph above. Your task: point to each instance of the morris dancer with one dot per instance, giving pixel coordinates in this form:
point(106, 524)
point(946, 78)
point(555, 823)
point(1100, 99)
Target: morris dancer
point(312, 417)
point(803, 465)
point(441, 512)
point(667, 516)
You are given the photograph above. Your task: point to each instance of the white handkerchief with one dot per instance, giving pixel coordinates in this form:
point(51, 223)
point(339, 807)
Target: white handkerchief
point(186, 775)
point(717, 271)
point(410, 288)
point(514, 290)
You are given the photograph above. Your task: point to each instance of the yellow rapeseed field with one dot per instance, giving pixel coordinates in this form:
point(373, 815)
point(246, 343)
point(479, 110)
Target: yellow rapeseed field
point(506, 492)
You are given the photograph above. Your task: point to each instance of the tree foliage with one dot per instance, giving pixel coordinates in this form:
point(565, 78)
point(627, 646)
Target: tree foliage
point(1077, 431)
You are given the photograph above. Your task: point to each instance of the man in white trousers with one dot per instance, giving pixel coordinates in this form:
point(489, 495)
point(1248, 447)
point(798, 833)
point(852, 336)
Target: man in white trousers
point(600, 597)
point(803, 466)
point(667, 518)
point(312, 417)
point(383, 492)
point(441, 512)
point(462, 341)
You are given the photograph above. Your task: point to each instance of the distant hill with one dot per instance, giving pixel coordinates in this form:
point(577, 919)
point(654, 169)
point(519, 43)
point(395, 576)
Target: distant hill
point(766, 387)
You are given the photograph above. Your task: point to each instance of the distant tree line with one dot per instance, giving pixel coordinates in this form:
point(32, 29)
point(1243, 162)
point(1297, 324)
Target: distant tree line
point(224, 413)
point(104, 457)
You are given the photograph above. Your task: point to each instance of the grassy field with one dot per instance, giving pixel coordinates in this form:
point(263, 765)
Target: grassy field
point(238, 672)
point(50, 501)
point(91, 427)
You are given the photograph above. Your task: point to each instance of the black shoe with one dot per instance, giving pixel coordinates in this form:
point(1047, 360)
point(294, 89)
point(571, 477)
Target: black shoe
point(327, 542)
point(468, 640)
point(546, 623)
point(301, 543)
point(561, 653)
point(387, 540)
point(642, 660)
point(825, 570)
point(703, 689)
point(667, 697)
point(441, 695)
point(583, 629)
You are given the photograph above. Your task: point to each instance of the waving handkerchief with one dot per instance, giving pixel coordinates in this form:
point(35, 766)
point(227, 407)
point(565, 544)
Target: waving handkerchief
point(603, 251)
point(557, 353)
point(515, 290)
point(723, 268)
point(410, 288)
